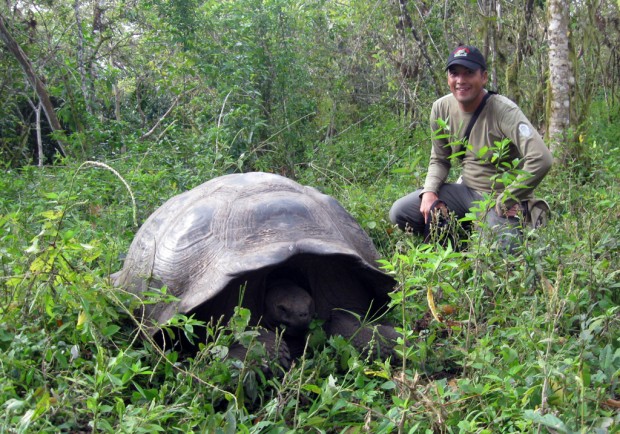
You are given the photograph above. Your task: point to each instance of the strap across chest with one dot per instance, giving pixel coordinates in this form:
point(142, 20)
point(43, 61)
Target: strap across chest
point(474, 117)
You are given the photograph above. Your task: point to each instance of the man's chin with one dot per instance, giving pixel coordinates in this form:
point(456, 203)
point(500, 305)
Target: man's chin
point(464, 98)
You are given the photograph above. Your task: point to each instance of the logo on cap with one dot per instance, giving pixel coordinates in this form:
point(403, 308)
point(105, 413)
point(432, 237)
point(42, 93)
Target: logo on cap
point(461, 52)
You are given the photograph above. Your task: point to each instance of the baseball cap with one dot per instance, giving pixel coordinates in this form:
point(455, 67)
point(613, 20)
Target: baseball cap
point(467, 56)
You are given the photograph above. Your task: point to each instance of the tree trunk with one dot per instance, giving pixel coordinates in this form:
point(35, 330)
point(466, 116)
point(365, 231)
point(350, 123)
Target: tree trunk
point(559, 72)
point(491, 14)
point(37, 113)
point(33, 79)
point(81, 56)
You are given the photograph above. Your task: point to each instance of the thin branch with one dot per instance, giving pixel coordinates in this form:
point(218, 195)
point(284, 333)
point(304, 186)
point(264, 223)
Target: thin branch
point(159, 121)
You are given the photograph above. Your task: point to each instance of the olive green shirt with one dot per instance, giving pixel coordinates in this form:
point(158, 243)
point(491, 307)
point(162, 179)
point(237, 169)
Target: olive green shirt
point(500, 119)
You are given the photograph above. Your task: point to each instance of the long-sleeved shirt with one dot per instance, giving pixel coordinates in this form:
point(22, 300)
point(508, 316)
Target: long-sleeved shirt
point(500, 119)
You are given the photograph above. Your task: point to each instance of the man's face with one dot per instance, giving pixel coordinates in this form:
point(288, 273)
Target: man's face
point(467, 86)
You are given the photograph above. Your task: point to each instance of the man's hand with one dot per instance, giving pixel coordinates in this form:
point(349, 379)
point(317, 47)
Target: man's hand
point(428, 199)
point(512, 212)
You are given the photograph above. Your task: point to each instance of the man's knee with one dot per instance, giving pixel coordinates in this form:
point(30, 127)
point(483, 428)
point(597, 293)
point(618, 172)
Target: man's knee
point(397, 216)
point(395, 213)
point(405, 213)
point(504, 232)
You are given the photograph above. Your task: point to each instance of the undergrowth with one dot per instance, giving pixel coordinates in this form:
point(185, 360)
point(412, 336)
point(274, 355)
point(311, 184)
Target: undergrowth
point(525, 343)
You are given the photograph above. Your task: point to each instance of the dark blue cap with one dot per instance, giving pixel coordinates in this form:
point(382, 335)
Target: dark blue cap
point(467, 56)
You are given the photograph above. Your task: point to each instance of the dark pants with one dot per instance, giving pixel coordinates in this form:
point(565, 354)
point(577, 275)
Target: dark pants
point(459, 198)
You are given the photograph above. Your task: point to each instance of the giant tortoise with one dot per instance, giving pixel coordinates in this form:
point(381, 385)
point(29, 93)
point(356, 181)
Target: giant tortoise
point(285, 251)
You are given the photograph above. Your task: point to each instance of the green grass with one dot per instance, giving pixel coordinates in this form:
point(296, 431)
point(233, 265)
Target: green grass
point(531, 343)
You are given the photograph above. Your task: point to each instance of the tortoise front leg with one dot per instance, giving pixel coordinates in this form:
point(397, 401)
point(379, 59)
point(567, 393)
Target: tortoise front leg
point(377, 340)
point(274, 346)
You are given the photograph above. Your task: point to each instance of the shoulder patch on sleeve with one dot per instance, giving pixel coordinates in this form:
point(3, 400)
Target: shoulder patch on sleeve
point(524, 130)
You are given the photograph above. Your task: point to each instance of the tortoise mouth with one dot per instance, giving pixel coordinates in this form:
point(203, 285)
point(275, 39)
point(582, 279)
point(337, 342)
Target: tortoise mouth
point(295, 331)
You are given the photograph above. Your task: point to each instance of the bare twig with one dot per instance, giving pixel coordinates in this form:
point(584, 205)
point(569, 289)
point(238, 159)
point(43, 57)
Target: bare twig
point(160, 120)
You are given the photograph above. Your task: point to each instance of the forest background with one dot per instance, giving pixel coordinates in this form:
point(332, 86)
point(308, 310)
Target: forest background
point(110, 107)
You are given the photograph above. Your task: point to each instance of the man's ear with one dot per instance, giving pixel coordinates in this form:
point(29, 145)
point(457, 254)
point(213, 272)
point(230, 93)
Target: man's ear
point(485, 76)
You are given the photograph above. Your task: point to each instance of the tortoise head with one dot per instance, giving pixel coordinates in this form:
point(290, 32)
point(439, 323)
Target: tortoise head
point(288, 306)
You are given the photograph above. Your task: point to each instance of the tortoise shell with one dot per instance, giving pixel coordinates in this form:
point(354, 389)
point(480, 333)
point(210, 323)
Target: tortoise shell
point(215, 246)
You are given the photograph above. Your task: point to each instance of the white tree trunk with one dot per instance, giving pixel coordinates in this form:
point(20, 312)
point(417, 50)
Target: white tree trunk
point(37, 111)
point(560, 76)
point(81, 55)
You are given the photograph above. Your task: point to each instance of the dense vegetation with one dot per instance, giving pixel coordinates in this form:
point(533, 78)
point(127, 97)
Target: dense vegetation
point(156, 97)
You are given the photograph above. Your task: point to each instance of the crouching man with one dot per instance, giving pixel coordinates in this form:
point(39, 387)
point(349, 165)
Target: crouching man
point(471, 121)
